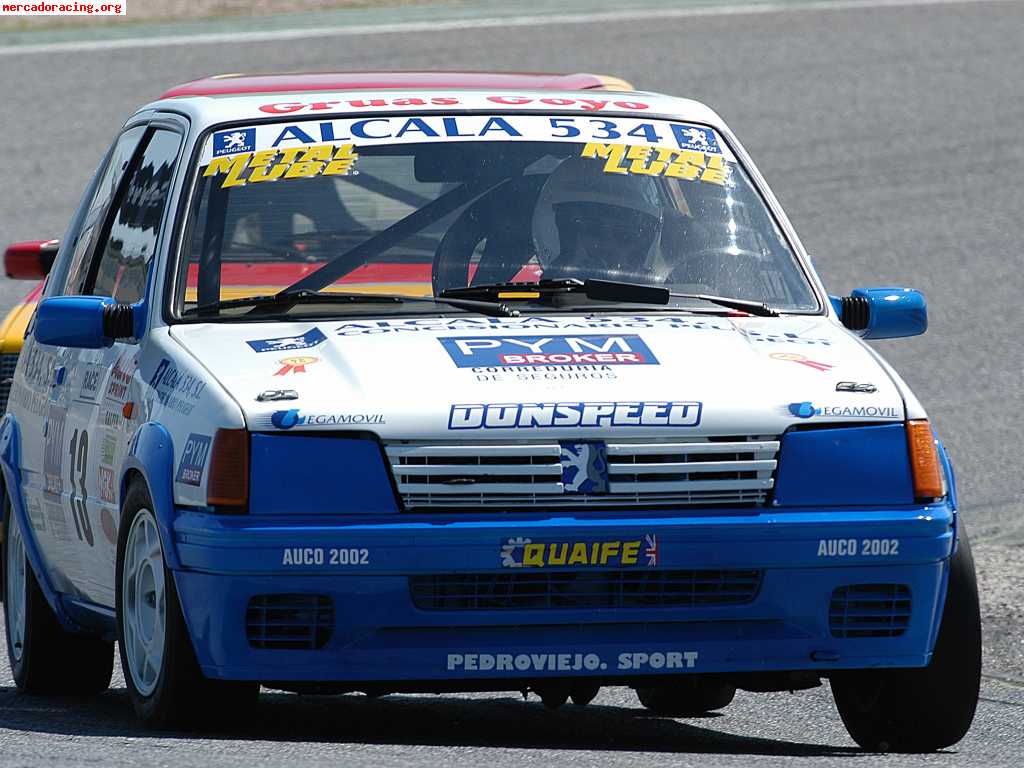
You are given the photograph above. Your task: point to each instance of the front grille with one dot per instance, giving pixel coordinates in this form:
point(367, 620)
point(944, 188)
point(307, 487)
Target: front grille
point(869, 610)
point(523, 475)
point(7, 365)
point(289, 622)
point(583, 589)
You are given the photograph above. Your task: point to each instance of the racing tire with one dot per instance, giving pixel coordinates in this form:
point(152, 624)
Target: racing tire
point(165, 684)
point(926, 709)
point(687, 696)
point(44, 657)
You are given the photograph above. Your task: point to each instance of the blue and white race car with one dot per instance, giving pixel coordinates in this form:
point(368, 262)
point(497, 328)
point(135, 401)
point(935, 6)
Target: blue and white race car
point(340, 386)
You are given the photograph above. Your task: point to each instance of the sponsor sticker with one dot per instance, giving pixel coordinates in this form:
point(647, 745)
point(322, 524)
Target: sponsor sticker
point(586, 105)
point(109, 526)
point(807, 410)
point(176, 389)
point(474, 351)
point(193, 459)
point(524, 552)
point(570, 662)
point(260, 150)
point(328, 556)
point(293, 418)
point(550, 324)
point(856, 386)
point(295, 364)
point(120, 378)
point(285, 163)
point(234, 141)
point(686, 164)
point(795, 357)
point(92, 377)
point(858, 547)
point(53, 450)
point(106, 483)
point(311, 338)
point(661, 413)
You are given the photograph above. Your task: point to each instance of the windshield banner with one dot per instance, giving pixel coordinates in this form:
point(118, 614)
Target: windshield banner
point(404, 129)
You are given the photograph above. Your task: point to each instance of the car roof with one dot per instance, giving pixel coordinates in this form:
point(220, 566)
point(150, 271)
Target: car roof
point(358, 81)
point(238, 98)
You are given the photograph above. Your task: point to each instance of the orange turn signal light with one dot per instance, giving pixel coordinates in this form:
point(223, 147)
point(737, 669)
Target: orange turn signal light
point(228, 484)
point(924, 461)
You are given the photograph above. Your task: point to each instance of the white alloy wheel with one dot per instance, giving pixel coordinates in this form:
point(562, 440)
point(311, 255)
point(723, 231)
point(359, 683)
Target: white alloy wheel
point(17, 587)
point(144, 607)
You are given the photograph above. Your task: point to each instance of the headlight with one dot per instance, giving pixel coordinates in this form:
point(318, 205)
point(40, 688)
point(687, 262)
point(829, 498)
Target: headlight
point(846, 466)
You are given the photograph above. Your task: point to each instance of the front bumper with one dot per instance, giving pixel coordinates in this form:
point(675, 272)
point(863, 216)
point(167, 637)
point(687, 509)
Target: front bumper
point(379, 634)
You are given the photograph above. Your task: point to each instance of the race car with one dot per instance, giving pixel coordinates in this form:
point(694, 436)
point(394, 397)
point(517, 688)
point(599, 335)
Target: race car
point(445, 388)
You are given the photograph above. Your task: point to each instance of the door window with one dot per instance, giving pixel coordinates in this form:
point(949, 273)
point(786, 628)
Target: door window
point(120, 157)
point(122, 259)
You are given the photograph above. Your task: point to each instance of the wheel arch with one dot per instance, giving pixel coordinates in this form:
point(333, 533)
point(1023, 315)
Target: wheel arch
point(150, 458)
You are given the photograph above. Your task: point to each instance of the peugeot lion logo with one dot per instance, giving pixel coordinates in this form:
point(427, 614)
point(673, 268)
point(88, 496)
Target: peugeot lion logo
point(584, 467)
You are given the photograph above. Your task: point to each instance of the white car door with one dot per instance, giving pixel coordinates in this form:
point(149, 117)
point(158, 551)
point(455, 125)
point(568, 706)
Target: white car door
point(42, 395)
point(105, 397)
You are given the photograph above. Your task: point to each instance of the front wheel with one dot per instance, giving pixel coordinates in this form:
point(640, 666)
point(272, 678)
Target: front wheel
point(165, 684)
point(44, 657)
point(923, 710)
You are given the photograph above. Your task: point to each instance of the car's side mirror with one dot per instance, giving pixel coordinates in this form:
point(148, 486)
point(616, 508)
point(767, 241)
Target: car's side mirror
point(883, 313)
point(86, 322)
point(30, 260)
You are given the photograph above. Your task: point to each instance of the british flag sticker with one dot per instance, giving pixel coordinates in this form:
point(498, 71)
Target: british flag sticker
point(651, 548)
point(233, 141)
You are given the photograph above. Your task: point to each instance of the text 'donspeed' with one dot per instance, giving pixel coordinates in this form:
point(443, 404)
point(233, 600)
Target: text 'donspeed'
point(664, 413)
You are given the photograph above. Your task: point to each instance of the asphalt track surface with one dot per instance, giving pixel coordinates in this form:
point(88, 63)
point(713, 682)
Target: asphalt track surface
point(892, 137)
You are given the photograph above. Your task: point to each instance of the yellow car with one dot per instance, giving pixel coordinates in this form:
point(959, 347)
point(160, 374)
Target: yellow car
point(29, 260)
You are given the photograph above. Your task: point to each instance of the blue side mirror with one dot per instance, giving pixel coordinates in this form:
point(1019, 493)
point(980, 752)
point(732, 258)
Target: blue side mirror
point(86, 322)
point(883, 313)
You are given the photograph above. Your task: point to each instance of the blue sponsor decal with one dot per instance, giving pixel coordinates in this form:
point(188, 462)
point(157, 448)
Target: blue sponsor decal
point(472, 351)
point(584, 467)
point(286, 419)
point(193, 459)
point(696, 138)
point(292, 418)
point(806, 410)
point(802, 410)
point(176, 389)
point(310, 338)
point(661, 413)
point(236, 140)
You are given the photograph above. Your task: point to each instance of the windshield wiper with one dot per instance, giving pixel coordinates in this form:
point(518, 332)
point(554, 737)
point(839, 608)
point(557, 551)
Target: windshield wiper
point(288, 299)
point(601, 290)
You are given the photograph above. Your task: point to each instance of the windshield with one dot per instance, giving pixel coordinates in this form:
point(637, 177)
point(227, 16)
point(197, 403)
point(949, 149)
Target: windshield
point(411, 206)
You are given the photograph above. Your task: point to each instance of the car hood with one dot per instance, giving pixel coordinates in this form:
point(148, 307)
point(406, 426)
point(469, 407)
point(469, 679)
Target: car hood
point(479, 377)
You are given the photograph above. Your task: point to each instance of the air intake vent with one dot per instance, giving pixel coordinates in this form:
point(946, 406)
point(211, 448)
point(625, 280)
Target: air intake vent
point(856, 312)
point(522, 475)
point(869, 610)
point(289, 622)
point(583, 589)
